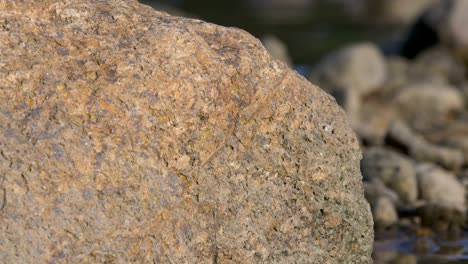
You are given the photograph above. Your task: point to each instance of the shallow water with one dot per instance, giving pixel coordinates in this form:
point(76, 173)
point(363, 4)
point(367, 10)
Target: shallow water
point(409, 247)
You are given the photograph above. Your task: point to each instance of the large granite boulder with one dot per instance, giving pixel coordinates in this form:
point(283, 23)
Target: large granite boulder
point(128, 135)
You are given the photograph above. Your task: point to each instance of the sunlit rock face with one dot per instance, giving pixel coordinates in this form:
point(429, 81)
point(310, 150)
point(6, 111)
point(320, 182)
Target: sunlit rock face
point(128, 135)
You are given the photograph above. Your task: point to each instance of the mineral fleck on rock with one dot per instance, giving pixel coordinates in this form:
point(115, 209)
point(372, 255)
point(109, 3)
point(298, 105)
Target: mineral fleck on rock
point(128, 135)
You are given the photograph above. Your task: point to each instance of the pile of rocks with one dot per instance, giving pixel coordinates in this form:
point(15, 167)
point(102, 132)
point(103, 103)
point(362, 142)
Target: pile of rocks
point(412, 118)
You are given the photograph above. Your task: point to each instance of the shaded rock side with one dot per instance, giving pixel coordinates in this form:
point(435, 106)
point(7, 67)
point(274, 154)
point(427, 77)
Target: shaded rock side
point(127, 135)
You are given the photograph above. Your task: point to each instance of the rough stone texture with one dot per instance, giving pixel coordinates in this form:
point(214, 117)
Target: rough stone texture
point(128, 135)
point(392, 168)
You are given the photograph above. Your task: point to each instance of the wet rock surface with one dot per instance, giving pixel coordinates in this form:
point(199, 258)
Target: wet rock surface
point(129, 135)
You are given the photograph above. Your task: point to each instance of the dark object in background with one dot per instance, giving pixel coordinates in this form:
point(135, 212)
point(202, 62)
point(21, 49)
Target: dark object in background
point(303, 69)
point(421, 37)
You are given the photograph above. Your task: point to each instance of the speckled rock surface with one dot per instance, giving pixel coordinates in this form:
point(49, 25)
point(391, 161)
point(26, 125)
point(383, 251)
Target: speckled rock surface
point(129, 136)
